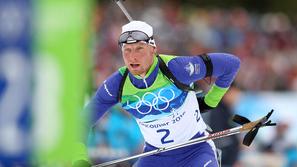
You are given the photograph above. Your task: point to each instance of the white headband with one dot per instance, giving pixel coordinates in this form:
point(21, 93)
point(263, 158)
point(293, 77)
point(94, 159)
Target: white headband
point(140, 26)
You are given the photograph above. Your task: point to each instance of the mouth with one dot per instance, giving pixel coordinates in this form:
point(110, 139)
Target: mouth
point(134, 65)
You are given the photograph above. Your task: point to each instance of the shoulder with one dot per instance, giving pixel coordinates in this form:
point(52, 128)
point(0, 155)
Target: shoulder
point(184, 62)
point(122, 70)
point(117, 75)
point(167, 58)
point(183, 67)
point(111, 85)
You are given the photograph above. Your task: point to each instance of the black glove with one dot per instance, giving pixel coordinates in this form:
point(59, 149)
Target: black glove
point(81, 163)
point(202, 105)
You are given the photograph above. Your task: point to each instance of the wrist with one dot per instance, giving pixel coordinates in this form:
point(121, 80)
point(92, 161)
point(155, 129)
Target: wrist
point(214, 95)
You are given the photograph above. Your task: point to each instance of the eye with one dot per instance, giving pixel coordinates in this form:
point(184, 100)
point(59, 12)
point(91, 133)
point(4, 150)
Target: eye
point(127, 50)
point(140, 48)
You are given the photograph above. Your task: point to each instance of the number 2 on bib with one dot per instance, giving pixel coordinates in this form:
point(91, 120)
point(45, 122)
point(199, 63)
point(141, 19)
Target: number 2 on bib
point(163, 139)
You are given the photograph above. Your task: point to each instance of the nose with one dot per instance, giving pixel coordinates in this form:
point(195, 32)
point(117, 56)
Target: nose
point(133, 55)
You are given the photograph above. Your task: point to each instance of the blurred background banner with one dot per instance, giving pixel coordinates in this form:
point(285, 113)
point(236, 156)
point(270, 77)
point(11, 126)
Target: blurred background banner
point(60, 65)
point(15, 82)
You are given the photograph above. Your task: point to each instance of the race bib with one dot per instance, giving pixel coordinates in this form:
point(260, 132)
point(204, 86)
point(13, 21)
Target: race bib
point(177, 127)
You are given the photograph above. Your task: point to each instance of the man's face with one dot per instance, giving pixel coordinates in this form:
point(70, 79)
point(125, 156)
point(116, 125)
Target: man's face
point(138, 57)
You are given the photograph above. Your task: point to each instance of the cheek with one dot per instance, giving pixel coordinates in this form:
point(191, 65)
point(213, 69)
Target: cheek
point(126, 59)
point(127, 56)
point(147, 61)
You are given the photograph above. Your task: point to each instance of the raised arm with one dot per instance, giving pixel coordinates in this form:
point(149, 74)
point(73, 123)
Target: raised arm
point(190, 69)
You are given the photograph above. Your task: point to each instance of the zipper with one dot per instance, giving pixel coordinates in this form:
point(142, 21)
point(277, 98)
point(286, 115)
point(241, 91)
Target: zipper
point(145, 82)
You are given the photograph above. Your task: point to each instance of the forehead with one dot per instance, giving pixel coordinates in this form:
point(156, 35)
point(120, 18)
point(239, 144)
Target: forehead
point(132, 45)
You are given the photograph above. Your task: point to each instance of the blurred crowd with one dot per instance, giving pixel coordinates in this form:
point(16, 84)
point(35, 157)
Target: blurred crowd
point(266, 44)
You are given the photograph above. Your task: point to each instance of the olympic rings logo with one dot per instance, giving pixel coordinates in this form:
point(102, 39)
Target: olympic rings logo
point(153, 102)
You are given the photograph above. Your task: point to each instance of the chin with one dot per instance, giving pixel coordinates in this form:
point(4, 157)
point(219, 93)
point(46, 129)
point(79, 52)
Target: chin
point(135, 72)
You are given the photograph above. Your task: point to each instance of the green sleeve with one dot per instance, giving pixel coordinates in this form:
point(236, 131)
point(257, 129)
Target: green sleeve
point(214, 95)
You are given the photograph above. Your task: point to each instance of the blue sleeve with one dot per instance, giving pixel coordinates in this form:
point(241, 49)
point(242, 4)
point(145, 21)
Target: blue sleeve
point(106, 96)
point(188, 69)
